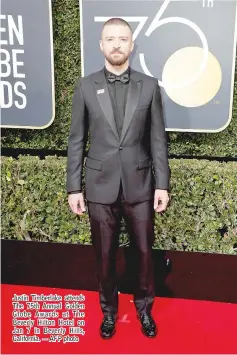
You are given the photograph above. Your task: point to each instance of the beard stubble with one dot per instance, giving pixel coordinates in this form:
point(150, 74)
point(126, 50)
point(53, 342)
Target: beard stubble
point(117, 62)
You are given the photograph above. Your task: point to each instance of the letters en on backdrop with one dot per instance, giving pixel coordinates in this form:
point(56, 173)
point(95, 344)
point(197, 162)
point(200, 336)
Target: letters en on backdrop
point(26, 58)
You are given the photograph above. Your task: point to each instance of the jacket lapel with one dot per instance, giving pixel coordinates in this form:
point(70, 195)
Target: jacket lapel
point(102, 94)
point(134, 89)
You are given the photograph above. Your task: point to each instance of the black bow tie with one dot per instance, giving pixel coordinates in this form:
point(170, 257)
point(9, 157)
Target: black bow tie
point(123, 78)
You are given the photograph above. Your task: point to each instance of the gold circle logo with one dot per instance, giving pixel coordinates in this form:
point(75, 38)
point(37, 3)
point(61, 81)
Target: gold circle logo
point(183, 64)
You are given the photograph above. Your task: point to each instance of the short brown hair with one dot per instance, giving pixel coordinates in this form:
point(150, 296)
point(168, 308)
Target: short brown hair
point(117, 21)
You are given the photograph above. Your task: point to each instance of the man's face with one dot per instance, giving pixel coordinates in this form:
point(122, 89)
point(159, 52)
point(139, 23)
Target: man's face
point(116, 43)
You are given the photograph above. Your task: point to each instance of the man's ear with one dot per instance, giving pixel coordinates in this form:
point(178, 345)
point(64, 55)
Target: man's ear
point(132, 46)
point(101, 45)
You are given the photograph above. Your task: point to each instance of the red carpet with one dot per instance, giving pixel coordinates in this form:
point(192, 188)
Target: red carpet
point(185, 327)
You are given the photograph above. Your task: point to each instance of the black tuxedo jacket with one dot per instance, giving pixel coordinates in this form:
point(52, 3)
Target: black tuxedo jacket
point(138, 158)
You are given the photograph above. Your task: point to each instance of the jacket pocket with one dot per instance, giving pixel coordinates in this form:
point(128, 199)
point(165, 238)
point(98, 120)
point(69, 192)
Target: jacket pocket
point(93, 164)
point(144, 163)
point(143, 107)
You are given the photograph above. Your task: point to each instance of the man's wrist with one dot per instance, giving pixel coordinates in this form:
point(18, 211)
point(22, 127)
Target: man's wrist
point(162, 189)
point(74, 192)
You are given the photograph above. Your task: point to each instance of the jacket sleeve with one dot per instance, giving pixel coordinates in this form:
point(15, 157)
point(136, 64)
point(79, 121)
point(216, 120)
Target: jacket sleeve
point(159, 146)
point(76, 141)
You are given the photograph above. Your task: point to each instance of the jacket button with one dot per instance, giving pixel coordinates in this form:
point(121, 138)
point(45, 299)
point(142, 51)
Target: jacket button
point(120, 148)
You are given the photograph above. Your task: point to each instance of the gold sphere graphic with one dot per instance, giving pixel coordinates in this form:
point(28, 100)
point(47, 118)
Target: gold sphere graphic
point(181, 66)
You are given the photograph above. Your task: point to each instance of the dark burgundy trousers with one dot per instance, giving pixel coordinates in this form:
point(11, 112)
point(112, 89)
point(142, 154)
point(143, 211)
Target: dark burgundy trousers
point(105, 224)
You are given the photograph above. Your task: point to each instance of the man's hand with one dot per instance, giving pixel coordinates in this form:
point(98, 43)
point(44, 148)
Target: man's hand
point(77, 203)
point(162, 197)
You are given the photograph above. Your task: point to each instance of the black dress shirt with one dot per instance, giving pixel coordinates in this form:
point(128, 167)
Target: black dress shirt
point(118, 94)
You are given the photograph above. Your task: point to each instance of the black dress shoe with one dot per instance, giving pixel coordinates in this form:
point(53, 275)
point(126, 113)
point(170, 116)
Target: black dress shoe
point(148, 325)
point(107, 328)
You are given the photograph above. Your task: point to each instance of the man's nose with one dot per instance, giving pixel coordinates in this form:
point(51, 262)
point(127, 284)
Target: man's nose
point(116, 44)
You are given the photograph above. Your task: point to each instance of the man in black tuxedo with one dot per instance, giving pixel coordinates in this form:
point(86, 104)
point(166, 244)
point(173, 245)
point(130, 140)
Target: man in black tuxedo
point(127, 169)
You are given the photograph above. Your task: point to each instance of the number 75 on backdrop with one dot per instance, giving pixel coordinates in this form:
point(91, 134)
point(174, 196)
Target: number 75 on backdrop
point(188, 45)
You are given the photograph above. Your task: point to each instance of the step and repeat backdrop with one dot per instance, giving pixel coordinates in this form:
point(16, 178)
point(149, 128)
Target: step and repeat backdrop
point(27, 67)
point(189, 46)
point(193, 60)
